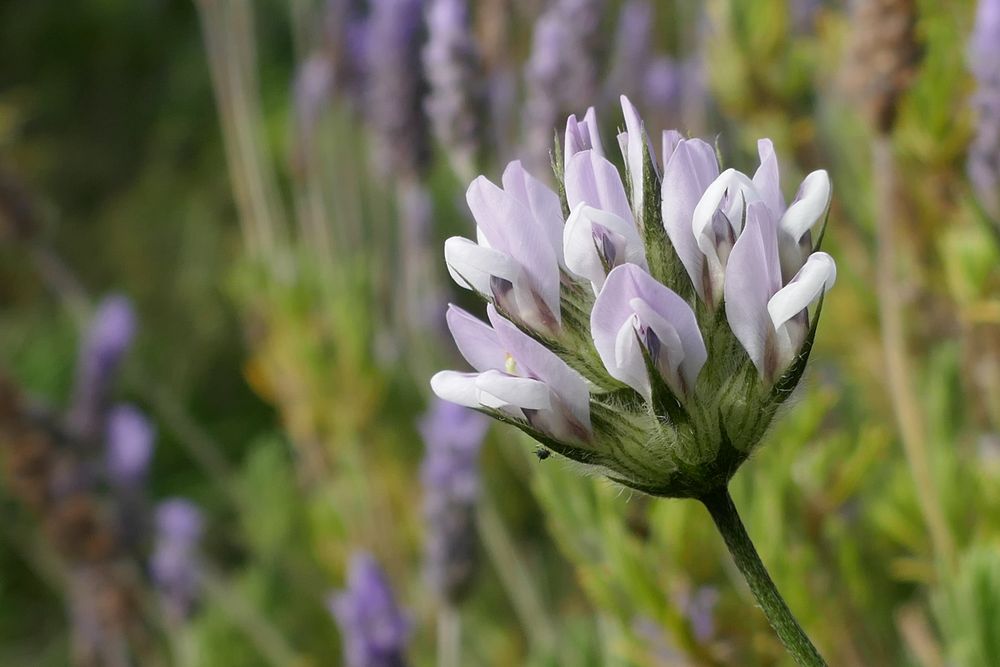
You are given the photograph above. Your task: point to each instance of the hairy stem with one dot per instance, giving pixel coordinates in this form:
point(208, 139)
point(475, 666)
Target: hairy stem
point(720, 506)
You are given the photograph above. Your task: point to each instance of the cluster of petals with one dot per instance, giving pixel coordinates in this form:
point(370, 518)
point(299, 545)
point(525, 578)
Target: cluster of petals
point(741, 247)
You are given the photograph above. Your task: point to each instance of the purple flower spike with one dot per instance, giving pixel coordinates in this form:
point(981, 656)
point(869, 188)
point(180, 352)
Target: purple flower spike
point(453, 436)
point(108, 339)
point(174, 564)
point(130, 439)
point(983, 164)
point(457, 100)
point(396, 86)
point(374, 630)
point(634, 317)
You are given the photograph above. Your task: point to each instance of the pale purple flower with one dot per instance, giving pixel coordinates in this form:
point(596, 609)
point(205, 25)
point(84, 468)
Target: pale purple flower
point(717, 218)
point(641, 409)
point(516, 259)
point(395, 87)
point(636, 317)
point(516, 375)
point(582, 135)
point(700, 610)
point(453, 436)
point(600, 232)
point(107, 340)
point(457, 96)
point(770, 319)
point(373, 628)
point(130, 440)
point(174, 564)
point(983, 164)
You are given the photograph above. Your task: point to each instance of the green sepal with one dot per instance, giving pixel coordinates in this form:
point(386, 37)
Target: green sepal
point(557, 169)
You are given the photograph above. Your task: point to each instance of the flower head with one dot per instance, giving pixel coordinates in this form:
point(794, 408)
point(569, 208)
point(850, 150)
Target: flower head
point(658, 343)
point(374, 630)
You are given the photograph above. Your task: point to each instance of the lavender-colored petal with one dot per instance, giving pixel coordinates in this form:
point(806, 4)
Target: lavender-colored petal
point(130, 438)
point(472, 266)
point(752, 278)
point(457, 388)
point(536, 361)
point(476, 340)
point(808, 208)
point(767, 179)
point(540, 200)
point(727, 194)
point(816, 276)
point(510, 227)
point(594, 239)
point(593, 180)
point(637, 144)
point(502, 390)
point(661, 309)
point(692, 167)
point(582, 135)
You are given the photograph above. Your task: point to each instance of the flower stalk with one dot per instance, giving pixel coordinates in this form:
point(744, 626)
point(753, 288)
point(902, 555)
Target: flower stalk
point(720, 505)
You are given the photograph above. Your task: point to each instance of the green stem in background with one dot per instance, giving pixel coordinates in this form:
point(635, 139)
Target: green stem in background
point(515, 577)
point(449, 636)
point(899, 381)
point(727, 520)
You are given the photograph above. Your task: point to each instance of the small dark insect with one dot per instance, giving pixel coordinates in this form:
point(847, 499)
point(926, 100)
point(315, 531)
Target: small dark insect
point(542, 453)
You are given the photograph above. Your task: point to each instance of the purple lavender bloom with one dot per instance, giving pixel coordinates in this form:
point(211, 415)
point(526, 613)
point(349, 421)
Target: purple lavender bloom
point(984, 153)
point(632, 50)
point(174, 564)
point(130, 440)
point(396, 86)
point(562, 72)
point(453, 436)
point(700, 610)
point(108, 339)
point(374, 629)
point(456, 103)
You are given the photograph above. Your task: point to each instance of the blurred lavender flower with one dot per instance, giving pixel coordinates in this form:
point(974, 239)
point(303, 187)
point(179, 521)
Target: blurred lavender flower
point(804, 14)
point(632, 50)
point(699, 607)
point(335, 67)
point(373, 628)
point(130, 439)
point(453, 437)
point(562, 72)
point(174, 563)
point(108, 339)
point(457, 99)
point(984, 153)
point(395, 87)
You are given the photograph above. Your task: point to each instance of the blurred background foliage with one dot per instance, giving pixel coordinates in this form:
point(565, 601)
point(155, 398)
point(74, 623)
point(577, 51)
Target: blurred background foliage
point(286, 286)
